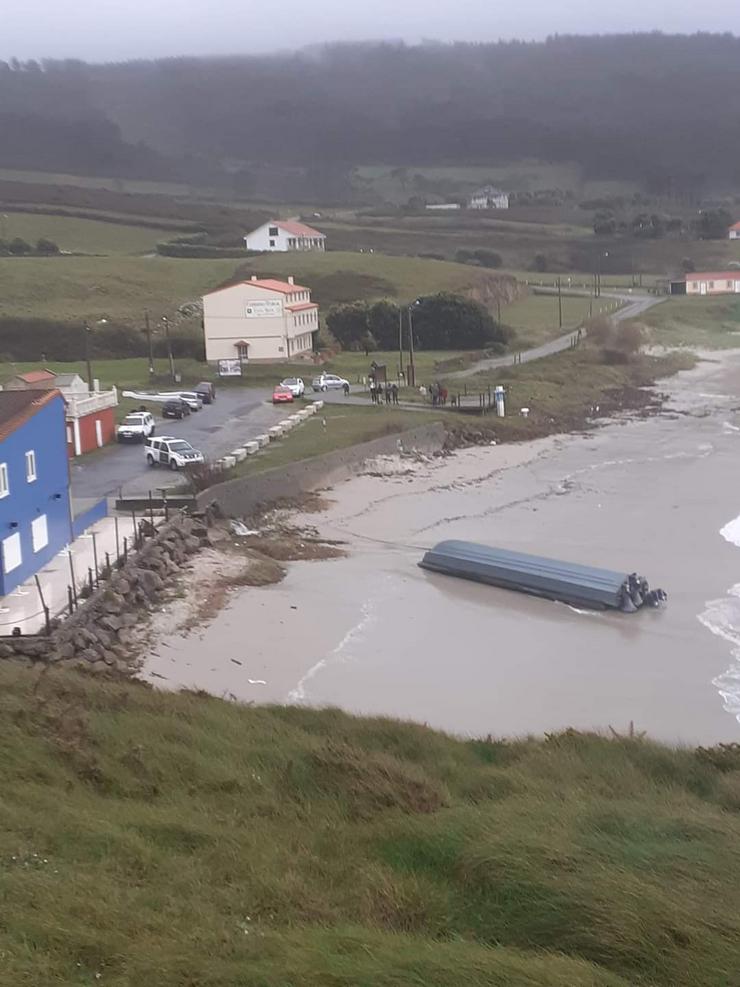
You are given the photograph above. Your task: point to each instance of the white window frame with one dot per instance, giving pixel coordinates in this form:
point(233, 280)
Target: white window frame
point(40, 532)
point(31, 473)
point(12, 552)
point(4, 481)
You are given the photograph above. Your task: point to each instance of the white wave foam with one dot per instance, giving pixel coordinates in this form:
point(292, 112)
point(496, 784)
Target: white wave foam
point(298, 695)
point(722, 618)
point(731, 532)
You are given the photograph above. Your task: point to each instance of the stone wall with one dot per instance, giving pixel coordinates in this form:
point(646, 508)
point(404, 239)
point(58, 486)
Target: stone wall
point(245, 494)
point(100, 634)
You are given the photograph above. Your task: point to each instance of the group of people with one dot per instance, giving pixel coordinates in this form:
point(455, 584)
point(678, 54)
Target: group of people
point(378, 389)
point(437, 393)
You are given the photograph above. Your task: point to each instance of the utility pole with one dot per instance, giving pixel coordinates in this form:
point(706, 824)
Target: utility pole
point(166, 322)
point(149, 341)
point(560, 305)
point(87, 330)
point(498, 309)
point(412, 373)
point(400, 337)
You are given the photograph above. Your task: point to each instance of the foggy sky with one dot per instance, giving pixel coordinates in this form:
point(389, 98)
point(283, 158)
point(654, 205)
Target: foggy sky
point(112, 30)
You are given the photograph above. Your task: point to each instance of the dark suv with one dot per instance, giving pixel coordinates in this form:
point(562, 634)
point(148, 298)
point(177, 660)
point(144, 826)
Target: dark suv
point(207, 391)
point(175, 409)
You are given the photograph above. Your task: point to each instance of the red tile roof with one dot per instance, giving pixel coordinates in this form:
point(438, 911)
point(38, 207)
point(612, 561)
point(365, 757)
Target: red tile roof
point(735, 226)
point(713, 276)
point(36, 376)
point(301, 307)
point(16, 407)
point(270, 284)
point(297, 229)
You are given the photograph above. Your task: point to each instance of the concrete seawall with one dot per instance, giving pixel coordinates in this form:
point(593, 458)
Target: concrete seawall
point(245, 494)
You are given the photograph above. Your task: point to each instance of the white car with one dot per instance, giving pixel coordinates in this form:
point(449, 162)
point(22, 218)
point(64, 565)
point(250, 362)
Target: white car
point(192, 399)
point(167, 450)
point(136, 427)
point(329, 382)
point(295, 385)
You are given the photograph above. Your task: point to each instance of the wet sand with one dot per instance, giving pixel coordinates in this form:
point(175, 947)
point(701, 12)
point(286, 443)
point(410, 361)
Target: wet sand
point(375, 634)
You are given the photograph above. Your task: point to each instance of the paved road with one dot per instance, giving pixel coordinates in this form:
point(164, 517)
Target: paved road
point(632, 306)
point(237, 416)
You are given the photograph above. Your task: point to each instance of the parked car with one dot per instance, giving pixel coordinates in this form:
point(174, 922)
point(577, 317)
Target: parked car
point(295, 385)
point(329, 382)
point(176, 408)
point(136, 427)
point(282, 395)
point(192, 399)
point(207, 391)
point(167, 450)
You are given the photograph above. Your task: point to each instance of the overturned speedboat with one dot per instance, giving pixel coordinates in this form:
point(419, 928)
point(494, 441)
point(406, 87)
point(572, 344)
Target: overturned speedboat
point(569, 582)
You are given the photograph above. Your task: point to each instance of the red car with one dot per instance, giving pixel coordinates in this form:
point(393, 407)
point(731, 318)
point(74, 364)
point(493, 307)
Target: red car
point(282, 395)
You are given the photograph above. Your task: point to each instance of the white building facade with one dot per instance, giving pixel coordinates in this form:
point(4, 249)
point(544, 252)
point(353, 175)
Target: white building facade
point(734, 232)
point(489, 198)
point(284, 235)
point(259, 320)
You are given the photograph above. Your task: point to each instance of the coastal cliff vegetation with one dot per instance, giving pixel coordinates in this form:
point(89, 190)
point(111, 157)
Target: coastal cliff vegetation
point(182, 840)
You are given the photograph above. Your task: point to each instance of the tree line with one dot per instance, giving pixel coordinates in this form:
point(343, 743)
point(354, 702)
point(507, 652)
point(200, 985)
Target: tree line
point(567, 98)
point(444, 321)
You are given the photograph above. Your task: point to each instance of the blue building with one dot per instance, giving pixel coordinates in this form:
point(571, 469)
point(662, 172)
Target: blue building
point(35, 511)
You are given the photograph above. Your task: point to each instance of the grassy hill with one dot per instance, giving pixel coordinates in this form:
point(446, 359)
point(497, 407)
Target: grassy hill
point(120, 288)
point(180, 840)
point(79, 235)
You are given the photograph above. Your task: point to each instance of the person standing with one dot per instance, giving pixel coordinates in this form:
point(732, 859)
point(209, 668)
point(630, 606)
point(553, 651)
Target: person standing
point(388, 394)
point(394, 391)
point(345, 388)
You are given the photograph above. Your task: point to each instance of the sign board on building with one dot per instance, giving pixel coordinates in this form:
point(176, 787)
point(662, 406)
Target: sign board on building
point(267, 308)
point(229, 368)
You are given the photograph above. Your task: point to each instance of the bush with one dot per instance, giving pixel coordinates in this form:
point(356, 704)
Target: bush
point(19, 247)
point(688, 265)
point(26, 339)
point(539, 263)
point(46, 248)
point(197, 250)
point(480, 257)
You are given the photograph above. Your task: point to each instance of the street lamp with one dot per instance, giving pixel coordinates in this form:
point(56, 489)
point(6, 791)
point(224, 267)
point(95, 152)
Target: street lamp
point(88, 331)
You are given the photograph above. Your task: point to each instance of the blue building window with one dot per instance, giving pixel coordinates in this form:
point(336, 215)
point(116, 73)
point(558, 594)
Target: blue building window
point(30, 466)
point(4, 485)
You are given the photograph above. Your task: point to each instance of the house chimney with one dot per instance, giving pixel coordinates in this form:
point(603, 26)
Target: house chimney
point(290, 279)
point(254, 277)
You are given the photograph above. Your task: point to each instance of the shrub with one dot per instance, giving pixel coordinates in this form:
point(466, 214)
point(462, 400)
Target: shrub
point(539, 263)
point(46, 248)
point(19, 248)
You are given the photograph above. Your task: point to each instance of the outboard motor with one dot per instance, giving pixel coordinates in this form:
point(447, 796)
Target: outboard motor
point(636, 587)
point(656, 598)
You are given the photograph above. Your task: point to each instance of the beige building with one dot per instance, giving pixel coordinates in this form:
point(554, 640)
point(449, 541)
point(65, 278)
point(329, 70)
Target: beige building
point(713, 283)
point(259, 320)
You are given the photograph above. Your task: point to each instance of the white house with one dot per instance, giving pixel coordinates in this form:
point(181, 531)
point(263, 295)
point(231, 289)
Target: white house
point(260, 320)
point(734, 232)
point(284, 235)
point(488, 197)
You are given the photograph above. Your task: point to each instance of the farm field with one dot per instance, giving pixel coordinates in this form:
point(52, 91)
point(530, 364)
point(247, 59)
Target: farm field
point(73, 234)
point(709, 322)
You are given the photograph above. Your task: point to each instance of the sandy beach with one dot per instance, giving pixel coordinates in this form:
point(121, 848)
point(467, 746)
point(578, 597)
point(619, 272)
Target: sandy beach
point(373, 633)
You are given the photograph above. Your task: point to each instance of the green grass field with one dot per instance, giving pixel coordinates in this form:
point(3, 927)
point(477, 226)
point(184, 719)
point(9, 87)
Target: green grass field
point(709, 322)
point(120, 288)
point(181, 840)
point(535, 318)
point(75, 235)
point(336, 427)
